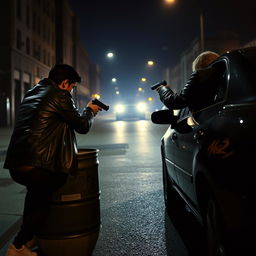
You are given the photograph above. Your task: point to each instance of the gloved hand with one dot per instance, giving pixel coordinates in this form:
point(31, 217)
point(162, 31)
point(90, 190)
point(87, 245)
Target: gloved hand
point(94, 108)
point(165, 94)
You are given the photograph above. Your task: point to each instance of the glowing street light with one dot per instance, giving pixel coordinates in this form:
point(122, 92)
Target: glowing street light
point(150, 63)
point(114, 80)
point(140, 89)
point(110, 55)
point(117, 92)
point(143, 79)
point(170, 1)
point(96, 95)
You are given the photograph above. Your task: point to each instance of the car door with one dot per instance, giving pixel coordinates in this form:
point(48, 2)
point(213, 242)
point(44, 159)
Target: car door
point(169, 143)
point(194, 130)
point(185, 148)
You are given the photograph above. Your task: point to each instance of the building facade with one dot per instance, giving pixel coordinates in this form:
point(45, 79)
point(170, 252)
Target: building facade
point(37, 35)
point(180, 73)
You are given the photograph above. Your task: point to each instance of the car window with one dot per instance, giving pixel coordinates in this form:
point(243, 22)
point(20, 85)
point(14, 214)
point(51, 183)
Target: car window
point(217, 84)
point(221, 81)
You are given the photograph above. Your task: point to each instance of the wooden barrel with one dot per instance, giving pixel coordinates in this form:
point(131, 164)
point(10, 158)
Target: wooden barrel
point(73, 223)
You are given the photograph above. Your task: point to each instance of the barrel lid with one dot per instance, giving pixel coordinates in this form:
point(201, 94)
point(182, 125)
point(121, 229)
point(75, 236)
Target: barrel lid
point(87, 151)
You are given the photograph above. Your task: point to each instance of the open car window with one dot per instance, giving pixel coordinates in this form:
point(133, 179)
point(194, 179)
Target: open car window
point(221, 81)
point(218, 82)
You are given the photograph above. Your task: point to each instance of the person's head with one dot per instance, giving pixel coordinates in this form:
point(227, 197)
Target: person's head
point(204, 59)
point(64, 76)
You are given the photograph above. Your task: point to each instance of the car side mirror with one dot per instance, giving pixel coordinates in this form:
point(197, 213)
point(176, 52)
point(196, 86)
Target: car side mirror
point(165, 116)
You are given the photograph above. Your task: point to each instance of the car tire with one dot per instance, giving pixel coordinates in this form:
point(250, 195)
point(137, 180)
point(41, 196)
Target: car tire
point(213, 229)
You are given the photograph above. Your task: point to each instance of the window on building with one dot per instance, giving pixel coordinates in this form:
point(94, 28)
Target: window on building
point(48, 9)
point(28, 45)
point(18, 39)
point(39, 26)
point(48, 34)
point(48, 59)
point(44, 6)
point(53, 15)
point(37, 71)
point(28, 16)
point(44, 56)
point(34, 49)
point(18, 9)
point(44, 32)
point(53, 40)
point(39, 53)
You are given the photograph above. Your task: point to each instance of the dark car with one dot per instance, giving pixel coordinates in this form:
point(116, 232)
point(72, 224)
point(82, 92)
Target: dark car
point(208, 156)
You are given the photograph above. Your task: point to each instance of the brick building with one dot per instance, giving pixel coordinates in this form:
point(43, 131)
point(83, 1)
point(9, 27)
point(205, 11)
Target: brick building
point(35, 36)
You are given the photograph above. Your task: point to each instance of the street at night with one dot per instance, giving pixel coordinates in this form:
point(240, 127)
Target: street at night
point(133, 216)
point(127, 128)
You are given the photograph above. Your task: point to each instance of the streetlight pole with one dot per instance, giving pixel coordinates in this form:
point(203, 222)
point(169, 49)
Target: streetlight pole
point(201, 29)
point(201, 21)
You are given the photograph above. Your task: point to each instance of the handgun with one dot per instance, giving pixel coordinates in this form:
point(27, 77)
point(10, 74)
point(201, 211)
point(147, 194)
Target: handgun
point(155, 86)
point(100, 104)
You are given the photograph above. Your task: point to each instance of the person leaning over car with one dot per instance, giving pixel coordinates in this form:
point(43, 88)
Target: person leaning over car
point(195, 93)
point(42, 149)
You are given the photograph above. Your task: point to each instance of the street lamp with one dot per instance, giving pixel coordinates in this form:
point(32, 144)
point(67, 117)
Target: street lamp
point(114, 80)
point(110, 55)
point(201, 29)
point(150, 63)
point(143, 79)
point(201, 21)
point(169, 1)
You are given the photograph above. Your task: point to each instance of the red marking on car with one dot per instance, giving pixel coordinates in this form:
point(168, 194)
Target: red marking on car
point(219, 147)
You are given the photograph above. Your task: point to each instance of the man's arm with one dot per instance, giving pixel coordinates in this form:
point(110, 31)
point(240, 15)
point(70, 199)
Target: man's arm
point(70, 114)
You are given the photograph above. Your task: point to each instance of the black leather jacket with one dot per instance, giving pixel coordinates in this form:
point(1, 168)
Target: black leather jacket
point(196, 94)
point(44, 135)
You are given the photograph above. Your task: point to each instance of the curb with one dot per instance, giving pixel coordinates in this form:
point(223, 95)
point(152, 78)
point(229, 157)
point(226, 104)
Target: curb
point(2, 155)
point(10, 232)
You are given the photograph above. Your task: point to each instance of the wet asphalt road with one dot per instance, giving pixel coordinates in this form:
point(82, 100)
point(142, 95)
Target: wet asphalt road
point(133, 216)
point(134, 220)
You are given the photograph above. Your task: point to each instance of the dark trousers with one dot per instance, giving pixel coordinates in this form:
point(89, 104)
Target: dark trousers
point(40, 185)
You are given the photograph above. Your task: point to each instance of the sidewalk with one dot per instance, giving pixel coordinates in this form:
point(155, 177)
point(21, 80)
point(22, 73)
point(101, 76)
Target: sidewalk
point(12, 197)
point(12, 194)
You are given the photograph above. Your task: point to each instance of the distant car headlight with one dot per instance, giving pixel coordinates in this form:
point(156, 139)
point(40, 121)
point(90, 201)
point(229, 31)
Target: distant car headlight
point(119, 108)
point(141, 107)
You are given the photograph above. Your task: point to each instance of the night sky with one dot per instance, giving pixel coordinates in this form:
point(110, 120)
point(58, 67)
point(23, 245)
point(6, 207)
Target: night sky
point(138, 30)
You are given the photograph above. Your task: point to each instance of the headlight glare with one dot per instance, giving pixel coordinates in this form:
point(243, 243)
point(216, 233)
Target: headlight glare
point(119, 108)
point(142, 107)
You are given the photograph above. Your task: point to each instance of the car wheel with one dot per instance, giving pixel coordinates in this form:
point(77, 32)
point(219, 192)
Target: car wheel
point(213, 227)
point(173, 203)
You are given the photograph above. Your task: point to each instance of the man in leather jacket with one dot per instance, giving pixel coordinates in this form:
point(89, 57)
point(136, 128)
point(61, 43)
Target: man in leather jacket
point(196, 93)
point(42, 150)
